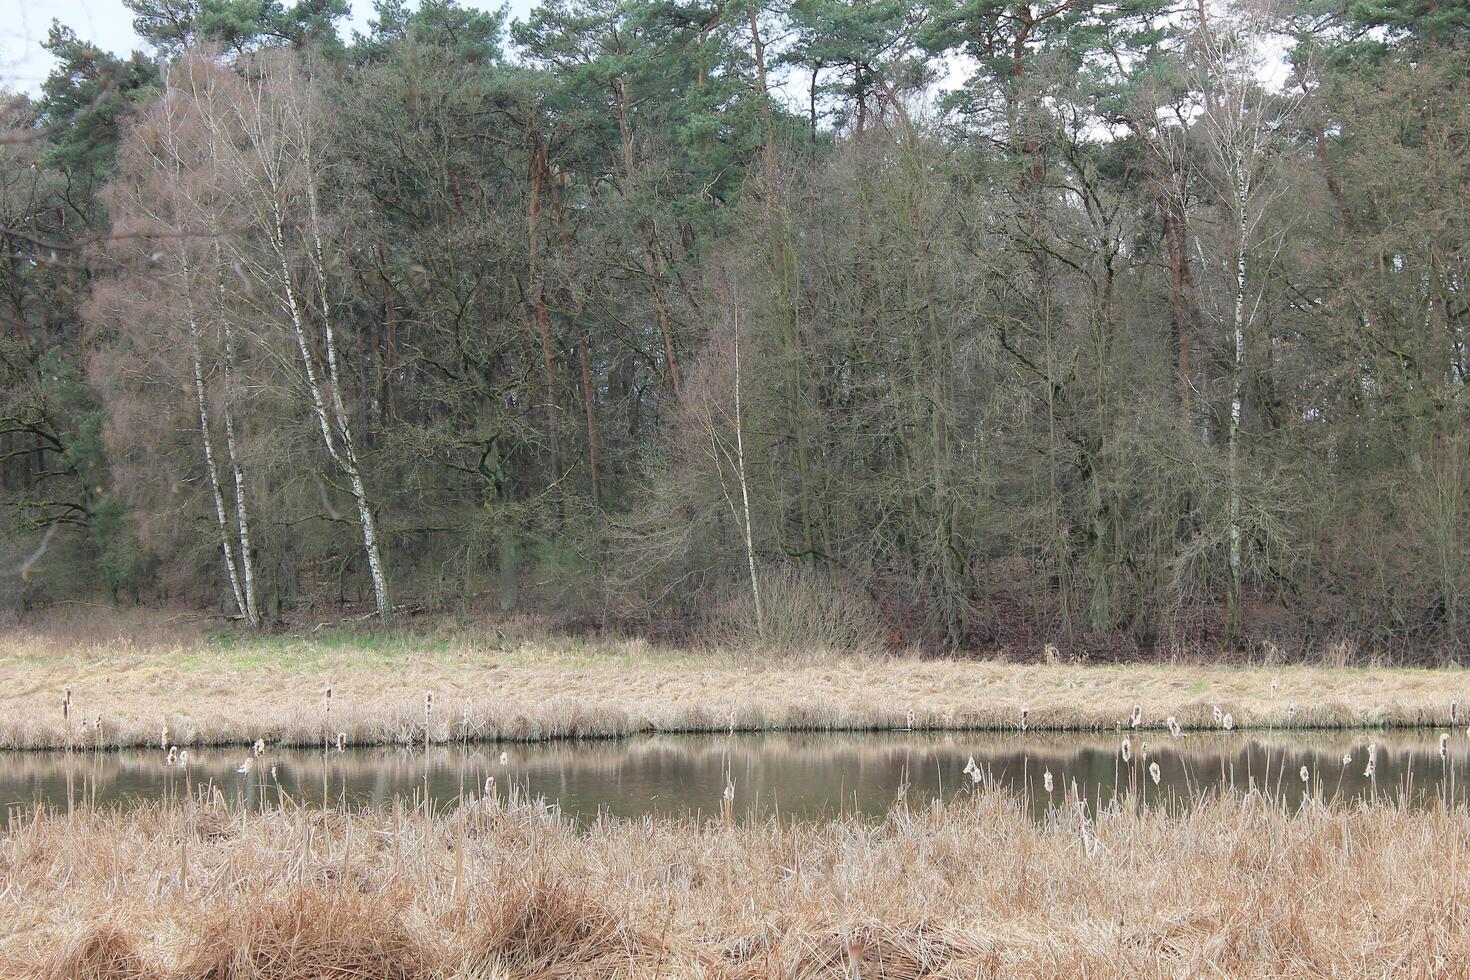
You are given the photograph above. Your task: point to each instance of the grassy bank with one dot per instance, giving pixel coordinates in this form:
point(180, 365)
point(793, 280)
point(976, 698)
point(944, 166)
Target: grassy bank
point(1237, 888)
point(142, 676)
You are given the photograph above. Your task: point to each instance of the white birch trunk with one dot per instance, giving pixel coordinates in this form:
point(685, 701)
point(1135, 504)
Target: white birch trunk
point(755, 588)
point(1242, 202)
point(242, 516)
point(209, 463)
point(349, 450)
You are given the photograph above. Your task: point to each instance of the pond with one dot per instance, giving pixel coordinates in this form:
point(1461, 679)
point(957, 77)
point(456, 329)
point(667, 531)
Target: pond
point(788, 776)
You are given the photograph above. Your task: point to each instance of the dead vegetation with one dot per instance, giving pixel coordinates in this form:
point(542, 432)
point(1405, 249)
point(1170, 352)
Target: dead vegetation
point(1240, 885)
point(132, 688)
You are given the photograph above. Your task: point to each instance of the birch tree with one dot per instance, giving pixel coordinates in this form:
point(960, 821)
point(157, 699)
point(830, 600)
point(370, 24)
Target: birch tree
point(279, 117)
point(1244, 126)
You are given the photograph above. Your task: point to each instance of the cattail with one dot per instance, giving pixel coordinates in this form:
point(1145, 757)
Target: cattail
point(1154, 773)
point(1127, 750)
point(259, 747)
point(1347, 759)
point(173, 755)
point(1143, 751)
point(66, 706)
point(1372, 768)
point(1444, 745)
point(1137, 717)
point(1275, 682)
point(97, 725)
point(729, 794)
point(1454, 712)
point(1046, 780)
point(909, 719)
point(341, 741)
point(489, 785)
point(1174, 728)
point(1024, 712)
point(1306, 776)
point(1228, 721)
point(327, 695)
point(1290, 712)
point(505, 758)
point(1218, 716)
point(1050, 653)
point(163, 739)
point(184, 759)
point(246, 766)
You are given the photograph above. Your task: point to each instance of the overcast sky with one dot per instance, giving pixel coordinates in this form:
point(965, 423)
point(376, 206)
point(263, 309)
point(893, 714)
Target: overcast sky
point(109, 25)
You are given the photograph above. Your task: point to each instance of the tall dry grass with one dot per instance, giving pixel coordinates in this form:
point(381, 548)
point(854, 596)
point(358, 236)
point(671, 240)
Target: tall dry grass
point(1237, 887)
point(130, 685)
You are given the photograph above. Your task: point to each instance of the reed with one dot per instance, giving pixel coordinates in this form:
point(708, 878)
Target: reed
point(1238, 886)
point(301, 691)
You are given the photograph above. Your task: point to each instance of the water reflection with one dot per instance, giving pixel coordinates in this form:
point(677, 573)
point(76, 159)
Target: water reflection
point(801, 776)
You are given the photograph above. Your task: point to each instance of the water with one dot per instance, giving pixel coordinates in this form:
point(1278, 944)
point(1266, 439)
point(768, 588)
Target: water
point(798, 776)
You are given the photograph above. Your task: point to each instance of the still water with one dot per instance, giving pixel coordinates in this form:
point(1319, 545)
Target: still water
point(789, 776)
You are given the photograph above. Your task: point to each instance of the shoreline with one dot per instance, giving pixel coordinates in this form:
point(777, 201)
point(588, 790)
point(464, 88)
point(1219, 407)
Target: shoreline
point(832, 730)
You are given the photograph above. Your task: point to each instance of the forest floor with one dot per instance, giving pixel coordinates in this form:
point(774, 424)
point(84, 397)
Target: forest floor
point(1241, 887)
point(143, 676)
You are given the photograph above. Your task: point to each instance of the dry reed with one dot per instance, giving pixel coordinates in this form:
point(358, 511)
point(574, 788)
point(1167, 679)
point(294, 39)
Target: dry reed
point(1238, 886)
point(303, 691)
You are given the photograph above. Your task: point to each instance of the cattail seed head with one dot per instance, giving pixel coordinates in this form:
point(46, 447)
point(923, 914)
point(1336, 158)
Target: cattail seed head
point(729, 793)
point(1218, 716)
point(1306, 776)
point(259, 747)
point(66, 706)
point(1046, 780)
point(173, 755)
point(163, 739)
point(1347, 759)
point(1154, 773)
point(184, 759)
point(246, 766)
point(1454, 712)
point(1228, 721)
point(428, 702)
point(341, 741)
point(1174, 728)
point(1444, 745)
point(1025, 711)
point(1136, 718)
point(908, 718)
point(1127, 750)
point(505, 758)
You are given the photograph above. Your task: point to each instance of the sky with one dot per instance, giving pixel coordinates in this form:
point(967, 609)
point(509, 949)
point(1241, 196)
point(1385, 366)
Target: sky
point(24, 64)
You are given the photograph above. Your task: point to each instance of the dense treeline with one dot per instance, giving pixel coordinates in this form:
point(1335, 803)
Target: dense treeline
point(1116, 325)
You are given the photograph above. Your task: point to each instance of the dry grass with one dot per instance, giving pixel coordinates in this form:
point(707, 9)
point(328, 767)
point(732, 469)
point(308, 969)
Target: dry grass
point(1236, 888)
point(140, 679)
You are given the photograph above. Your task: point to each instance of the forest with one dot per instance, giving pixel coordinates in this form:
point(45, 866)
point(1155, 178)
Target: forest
point(1125, 328)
